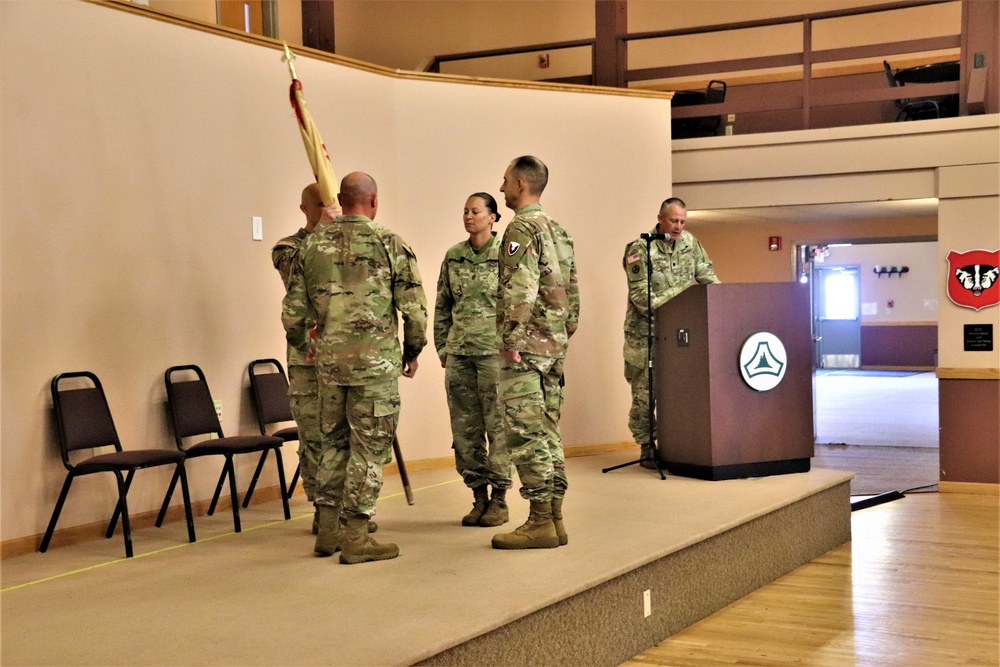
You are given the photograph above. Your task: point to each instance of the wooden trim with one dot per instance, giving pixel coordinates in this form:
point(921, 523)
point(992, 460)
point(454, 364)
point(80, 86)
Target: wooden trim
point(275, 45)
point(888, 49)
point(513, 50)
point(920, 369)
point(784, 77)
point(899, 324)
point(785, 20)
point(968, 373)
point(672, 71)
point(971, 488)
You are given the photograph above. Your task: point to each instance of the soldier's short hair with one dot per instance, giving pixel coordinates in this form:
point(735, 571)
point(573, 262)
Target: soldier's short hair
point(356, 187)
point(532, 171)
point(490, 202)
point(672, 200)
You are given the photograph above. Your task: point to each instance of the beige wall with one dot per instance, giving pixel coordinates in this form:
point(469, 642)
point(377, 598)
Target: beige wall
point(740, 250)
point(133, 164)
point(914, 295)
point(969, 220)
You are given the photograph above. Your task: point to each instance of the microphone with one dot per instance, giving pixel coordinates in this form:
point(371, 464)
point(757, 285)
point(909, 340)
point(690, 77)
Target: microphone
point(653, 237)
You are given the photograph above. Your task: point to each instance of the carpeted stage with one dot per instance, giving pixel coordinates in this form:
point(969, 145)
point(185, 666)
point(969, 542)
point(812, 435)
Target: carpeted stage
point(262, 598)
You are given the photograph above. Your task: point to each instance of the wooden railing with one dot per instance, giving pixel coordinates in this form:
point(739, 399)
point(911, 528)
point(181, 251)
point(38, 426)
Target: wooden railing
point(803, 95)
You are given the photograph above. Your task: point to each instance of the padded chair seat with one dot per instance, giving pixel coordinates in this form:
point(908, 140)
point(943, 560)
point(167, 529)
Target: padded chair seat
point(234, 444)
point(139, 458)
point(287, 434)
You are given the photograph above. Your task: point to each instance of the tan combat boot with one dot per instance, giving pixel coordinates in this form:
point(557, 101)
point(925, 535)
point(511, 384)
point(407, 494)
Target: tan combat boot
point(357, 547)
point(480, 497)
point(328, 534)
point(558, 522)
point(496, 513)
point(538, 532)
point(372, 526)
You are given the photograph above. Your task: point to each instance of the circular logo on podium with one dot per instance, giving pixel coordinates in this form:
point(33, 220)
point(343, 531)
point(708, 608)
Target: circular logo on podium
point(763, 361)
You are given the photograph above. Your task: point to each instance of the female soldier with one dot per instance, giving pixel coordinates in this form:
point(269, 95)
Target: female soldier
point(465, 338)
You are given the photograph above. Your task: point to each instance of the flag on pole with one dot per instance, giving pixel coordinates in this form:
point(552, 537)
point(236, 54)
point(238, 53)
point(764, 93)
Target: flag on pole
point(315, 148)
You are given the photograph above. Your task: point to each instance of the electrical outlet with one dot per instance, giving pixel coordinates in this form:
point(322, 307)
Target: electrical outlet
point(543, 60)
point(979, 60)
point(647, 606)
point(731, 118)
point(218, 409)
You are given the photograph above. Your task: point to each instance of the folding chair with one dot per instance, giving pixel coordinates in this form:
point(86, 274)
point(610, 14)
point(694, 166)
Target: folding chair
point(84, 422)
point(269, 389)
point(192, 412)
point(913, 109)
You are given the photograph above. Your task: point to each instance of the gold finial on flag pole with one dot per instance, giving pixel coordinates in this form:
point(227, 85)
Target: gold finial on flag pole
point(288, 58)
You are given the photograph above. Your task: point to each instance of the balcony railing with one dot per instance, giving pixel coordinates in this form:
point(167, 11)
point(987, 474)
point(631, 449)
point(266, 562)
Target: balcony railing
point(795, 90)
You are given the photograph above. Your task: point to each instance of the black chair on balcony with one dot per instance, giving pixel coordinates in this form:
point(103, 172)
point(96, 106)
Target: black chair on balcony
point(919, 108)
point(700, 126)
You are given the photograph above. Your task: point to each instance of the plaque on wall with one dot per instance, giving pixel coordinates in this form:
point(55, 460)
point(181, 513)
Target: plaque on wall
point(978, 337)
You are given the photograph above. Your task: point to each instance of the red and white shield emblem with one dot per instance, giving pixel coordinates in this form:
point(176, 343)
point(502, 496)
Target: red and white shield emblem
point(974, 278)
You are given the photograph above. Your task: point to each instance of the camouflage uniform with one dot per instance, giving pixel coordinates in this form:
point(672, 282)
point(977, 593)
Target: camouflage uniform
point(351, 276)
point(302, 391)
point(537, 311)
point(676, 266)
point(465, 336)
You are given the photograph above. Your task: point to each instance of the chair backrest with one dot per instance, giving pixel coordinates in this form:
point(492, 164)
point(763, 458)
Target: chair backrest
point(715, 92)
point(270, 393)
point(889, 74)
point(82, 416)
point(192, 409)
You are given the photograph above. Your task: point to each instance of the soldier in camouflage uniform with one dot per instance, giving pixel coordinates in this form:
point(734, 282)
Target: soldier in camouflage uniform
point(350, 278)
point(678, 262)
point(538, 309)
point(302, 392)
point(465, 336)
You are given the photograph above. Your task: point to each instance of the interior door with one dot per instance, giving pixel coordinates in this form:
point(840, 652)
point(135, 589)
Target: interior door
point(837, 316)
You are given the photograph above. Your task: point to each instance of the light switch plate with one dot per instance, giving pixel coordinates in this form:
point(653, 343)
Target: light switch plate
point(258, 228)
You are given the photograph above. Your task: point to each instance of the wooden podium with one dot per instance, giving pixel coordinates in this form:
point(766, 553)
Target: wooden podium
point(712, 424)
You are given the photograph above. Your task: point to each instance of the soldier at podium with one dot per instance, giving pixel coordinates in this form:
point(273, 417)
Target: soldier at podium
point(678, 261)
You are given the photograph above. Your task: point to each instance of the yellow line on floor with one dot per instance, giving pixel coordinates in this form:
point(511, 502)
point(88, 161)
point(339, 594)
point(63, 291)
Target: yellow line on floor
point(189, 544)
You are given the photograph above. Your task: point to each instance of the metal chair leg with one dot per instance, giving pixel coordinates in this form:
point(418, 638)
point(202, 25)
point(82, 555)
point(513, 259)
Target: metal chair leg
point(218, 487)
point(187, 499)
point(123, 503)
point(55, 513)
point(118, 508)
point(295, 480)
point(170, 493)
point(281, 483)
point(253, 482)
point(234, 496)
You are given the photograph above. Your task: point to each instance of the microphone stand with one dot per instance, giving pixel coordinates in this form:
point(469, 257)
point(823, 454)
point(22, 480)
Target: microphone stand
point(648, 238)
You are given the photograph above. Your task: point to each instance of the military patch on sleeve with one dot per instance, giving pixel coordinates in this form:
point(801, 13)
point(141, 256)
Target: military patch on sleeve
point(635, 269)
point(516, 243)
point(633, 258)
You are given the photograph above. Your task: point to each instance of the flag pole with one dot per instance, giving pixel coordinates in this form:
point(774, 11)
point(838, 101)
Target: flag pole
point(319, 159)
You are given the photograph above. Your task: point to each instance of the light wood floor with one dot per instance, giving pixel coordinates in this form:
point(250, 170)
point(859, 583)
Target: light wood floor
point(916, 586)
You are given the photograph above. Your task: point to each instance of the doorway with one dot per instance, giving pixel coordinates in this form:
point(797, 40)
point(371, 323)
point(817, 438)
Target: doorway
point(875, 397)
point(836, 316)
